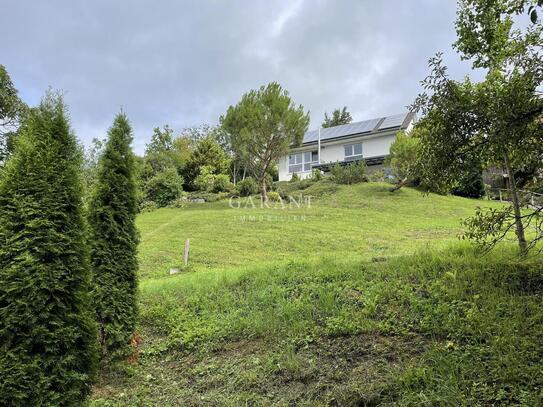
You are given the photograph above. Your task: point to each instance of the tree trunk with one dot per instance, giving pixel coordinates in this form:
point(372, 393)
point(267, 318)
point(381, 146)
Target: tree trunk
point(398, 185)
point(516, 207)
point(244, 172)
point(263, 190)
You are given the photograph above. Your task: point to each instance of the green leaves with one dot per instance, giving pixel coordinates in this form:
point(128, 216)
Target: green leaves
point(207, 153)
point(404, 156)
point(12, 110)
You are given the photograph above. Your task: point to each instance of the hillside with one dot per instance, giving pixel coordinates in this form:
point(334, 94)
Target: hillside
point(363, 298)
point(346, 222)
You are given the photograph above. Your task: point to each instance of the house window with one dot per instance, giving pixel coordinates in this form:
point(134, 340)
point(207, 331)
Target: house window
point(302, 162)
point(353, 152)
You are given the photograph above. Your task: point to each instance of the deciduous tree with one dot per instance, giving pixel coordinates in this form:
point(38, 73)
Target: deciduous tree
point(496, 121)
point(403, 159)
point(11, 111)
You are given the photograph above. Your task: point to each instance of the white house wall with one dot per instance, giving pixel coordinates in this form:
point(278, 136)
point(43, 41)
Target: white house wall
point(331, 152)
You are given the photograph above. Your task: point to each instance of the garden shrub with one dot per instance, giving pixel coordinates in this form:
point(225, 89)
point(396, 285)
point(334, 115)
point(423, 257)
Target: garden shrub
point(378, 176)
point(247, 187)
point(178, 203)
point(222, 183)
point(148, 206)
point(470, 182)
point(352, 173)
point(317, 175)
point(295, 177)
point(274, 196)
point(164, 187)
point(205, 179)
point(268, 179)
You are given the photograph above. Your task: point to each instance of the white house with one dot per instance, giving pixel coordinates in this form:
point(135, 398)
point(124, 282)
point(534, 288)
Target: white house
point(368, 140)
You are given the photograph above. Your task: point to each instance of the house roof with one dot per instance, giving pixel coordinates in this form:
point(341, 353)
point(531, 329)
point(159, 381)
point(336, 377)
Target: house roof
point(366, 127)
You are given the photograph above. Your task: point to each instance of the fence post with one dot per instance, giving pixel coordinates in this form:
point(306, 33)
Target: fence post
point(187, 248)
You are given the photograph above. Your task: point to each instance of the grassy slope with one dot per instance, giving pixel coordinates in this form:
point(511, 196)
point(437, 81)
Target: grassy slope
point(360, 221)
point(357, 303)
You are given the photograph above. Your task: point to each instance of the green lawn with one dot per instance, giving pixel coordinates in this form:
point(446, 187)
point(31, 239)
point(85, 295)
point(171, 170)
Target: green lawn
point(354, 222)
point(363, 298)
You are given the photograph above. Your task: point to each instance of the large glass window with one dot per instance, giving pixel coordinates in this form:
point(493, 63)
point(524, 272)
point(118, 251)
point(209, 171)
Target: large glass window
point(353, 152)
point(302, 162)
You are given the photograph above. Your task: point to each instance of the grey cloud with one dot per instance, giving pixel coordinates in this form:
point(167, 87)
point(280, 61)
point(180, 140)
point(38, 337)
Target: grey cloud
point(184, 62)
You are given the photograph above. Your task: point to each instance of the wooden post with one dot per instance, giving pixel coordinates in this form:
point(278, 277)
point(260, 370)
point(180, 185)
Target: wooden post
point(500, 195)
point(187, 248)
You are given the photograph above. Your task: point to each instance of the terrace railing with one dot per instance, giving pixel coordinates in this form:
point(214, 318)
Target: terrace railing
point(527, 198)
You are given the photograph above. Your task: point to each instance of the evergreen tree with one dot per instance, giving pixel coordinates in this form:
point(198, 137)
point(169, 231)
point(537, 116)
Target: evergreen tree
point(262, 127)
point(339, 117)
point(113, 241)
point(47, 332)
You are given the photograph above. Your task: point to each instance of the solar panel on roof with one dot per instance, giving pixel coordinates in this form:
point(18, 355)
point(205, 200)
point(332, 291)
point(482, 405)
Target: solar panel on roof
point(393, 121)
point(366, 126)
point(310, 136)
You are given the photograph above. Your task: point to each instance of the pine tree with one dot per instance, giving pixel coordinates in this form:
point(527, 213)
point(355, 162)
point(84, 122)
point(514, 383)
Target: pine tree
point(114, 241)
point(47, 332)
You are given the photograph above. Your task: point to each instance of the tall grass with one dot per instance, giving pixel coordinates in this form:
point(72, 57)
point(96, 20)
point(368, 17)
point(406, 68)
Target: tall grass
point(482, 316)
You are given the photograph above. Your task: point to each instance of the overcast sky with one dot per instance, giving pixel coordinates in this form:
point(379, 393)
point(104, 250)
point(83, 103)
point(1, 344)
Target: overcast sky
point(183, 63)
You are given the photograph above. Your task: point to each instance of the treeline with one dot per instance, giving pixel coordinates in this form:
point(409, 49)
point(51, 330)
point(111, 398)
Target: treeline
point(236, 157)
point(197, 162)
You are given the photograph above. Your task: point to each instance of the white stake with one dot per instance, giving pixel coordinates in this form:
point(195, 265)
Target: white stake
point(187, 248)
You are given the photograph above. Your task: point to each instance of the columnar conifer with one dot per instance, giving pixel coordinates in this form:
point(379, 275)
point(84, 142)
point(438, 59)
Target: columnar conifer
point(47, 333)
point(113, 240)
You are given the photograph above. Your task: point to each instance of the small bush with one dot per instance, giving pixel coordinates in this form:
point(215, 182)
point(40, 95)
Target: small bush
point(295, 178)
point(274, 196)
point(247, 187)
point(222, 183)
point(316, 175)
point(378, 176)
point(286, 188)
point(349, 174)
point(148, 206)
point(206, 196)
point(206, 179)
point(178, 203)
point(164, 187)
point(223, 195)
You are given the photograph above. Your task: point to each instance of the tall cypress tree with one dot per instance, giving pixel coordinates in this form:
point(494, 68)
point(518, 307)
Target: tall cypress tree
point(47, 331)
point(114, 241)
